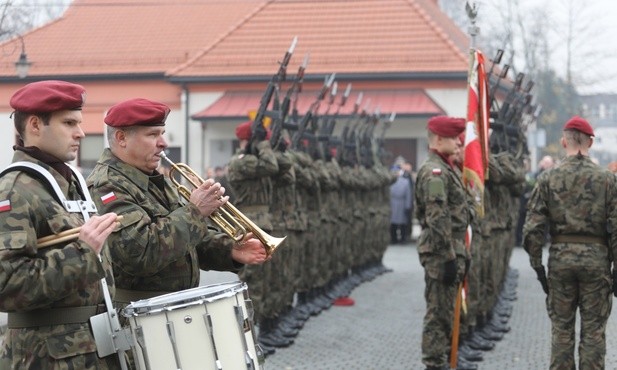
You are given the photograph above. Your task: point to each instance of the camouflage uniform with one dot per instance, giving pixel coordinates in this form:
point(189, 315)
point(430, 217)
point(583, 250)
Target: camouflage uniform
point(441, 207)
point(250, 177)
point(578, 203)
point(60, 276)
point(282, 209)
point(160, 245)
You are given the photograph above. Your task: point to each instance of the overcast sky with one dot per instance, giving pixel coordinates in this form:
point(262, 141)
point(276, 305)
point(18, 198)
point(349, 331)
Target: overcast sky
point(595, 57)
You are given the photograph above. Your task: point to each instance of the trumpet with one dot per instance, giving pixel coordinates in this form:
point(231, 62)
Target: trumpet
point(227, 217)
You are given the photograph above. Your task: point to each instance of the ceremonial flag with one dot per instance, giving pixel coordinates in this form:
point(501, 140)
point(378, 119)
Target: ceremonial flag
point(475, 164)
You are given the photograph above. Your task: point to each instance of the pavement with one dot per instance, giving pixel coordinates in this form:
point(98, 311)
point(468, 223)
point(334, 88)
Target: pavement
point(383, 329)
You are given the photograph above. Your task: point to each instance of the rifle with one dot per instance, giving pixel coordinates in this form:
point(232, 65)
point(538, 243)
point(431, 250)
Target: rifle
point(365, 148)
point(294, 89)
point(330, 141)
point(257, 128)
point(380, 150)
point(308, 116)
point(341, 156)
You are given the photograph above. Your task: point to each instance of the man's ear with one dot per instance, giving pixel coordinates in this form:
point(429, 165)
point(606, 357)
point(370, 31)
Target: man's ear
point(120, 137)
point(563, 142)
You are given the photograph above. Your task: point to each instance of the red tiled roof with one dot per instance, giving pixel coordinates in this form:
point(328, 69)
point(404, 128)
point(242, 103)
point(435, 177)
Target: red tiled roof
point(343, 36)
point(119, 36)
point(242, 37)
point(237, 104)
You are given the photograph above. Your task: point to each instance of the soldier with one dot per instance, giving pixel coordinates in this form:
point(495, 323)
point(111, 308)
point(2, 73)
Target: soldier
point(161, 244)
point(577, 201)
point(250, 172)
point(442, 210)
point(50, 293)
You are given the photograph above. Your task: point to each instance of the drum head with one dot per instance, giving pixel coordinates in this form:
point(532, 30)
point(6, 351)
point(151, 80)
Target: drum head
point(198, 295)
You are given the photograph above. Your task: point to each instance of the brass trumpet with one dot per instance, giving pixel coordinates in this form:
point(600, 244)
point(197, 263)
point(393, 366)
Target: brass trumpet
point(231, 221)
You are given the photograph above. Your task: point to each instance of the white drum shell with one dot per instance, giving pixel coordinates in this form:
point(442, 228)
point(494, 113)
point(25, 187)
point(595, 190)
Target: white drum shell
point(184, 316)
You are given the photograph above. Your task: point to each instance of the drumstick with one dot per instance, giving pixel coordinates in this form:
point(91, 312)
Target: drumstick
point(63, 236)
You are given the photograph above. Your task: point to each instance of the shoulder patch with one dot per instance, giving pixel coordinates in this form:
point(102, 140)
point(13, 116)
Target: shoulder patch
point(436, 171)
point(108, 198)
point(436, 189)
point(5, 205)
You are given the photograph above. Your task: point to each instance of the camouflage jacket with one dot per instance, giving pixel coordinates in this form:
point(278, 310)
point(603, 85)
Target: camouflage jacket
point(161, 244)
point(63, 275)
point(250, 177)
point(442, 210)
point(575, 198)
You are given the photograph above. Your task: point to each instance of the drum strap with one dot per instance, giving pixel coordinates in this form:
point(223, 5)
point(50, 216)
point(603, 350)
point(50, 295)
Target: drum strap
point(53, 316)
point(128, 296)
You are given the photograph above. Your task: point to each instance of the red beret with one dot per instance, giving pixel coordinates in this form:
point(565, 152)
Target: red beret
point(243, 130)
point(579, 124)
point(48, 96)
point(137, 112)
point(446, 126)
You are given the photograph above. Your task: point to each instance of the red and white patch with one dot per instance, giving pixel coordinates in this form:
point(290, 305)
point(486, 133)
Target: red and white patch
point(437, 171)
point(5, 205)
point(109, 197)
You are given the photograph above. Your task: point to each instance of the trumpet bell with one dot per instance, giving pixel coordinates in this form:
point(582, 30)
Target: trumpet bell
point(272, 243)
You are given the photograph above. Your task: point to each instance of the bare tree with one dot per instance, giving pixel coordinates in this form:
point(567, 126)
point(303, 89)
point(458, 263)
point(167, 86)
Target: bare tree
point(19, 16)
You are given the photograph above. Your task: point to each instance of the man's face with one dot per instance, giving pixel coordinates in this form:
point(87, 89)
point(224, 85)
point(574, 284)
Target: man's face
point(448, 145)
point(62, 136)
point(143, 147)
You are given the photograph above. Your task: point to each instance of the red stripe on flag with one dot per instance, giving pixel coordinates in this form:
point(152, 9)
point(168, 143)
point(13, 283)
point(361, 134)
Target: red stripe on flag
point(475, 165)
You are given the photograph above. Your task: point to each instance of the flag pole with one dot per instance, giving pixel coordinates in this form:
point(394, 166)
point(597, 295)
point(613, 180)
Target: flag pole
point(472, 12)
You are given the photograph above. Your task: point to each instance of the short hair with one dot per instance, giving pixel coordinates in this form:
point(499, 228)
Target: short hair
point(576, 138)
point(111, 133)
point(19, 119)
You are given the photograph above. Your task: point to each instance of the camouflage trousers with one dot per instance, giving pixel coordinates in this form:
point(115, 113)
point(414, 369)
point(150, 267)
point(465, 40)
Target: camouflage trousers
point(437, 325)
point(589, 290)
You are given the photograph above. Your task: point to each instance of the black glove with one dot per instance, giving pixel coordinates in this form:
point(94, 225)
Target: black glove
point(449, 272)
point(541, 272)
point(260, 133)
point(614, 283)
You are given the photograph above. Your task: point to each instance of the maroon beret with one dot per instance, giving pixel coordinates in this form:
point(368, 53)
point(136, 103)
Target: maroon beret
point(243, 130)
point(137, 112)
point(579, 124)
point(446, 126)
point(48, 96)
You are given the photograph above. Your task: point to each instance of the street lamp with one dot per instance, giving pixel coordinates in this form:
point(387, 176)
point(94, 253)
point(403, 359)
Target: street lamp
point(22, 66)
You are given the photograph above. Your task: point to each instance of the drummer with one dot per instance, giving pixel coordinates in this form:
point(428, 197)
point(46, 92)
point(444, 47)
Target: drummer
point(161, 244)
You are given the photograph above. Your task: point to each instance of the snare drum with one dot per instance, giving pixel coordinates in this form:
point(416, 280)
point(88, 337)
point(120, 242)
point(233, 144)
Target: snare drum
point(208, 327)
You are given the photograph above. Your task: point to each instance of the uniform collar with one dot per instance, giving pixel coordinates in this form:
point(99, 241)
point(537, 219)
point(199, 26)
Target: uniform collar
point(133, 174)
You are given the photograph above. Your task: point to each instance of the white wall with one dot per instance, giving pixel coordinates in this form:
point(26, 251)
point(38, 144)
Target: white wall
point(7, 140)
point(453, 101)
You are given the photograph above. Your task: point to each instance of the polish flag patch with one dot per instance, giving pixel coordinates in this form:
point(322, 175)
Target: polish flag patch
point(437, 171)
point(5, 205)
point(109, 197)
